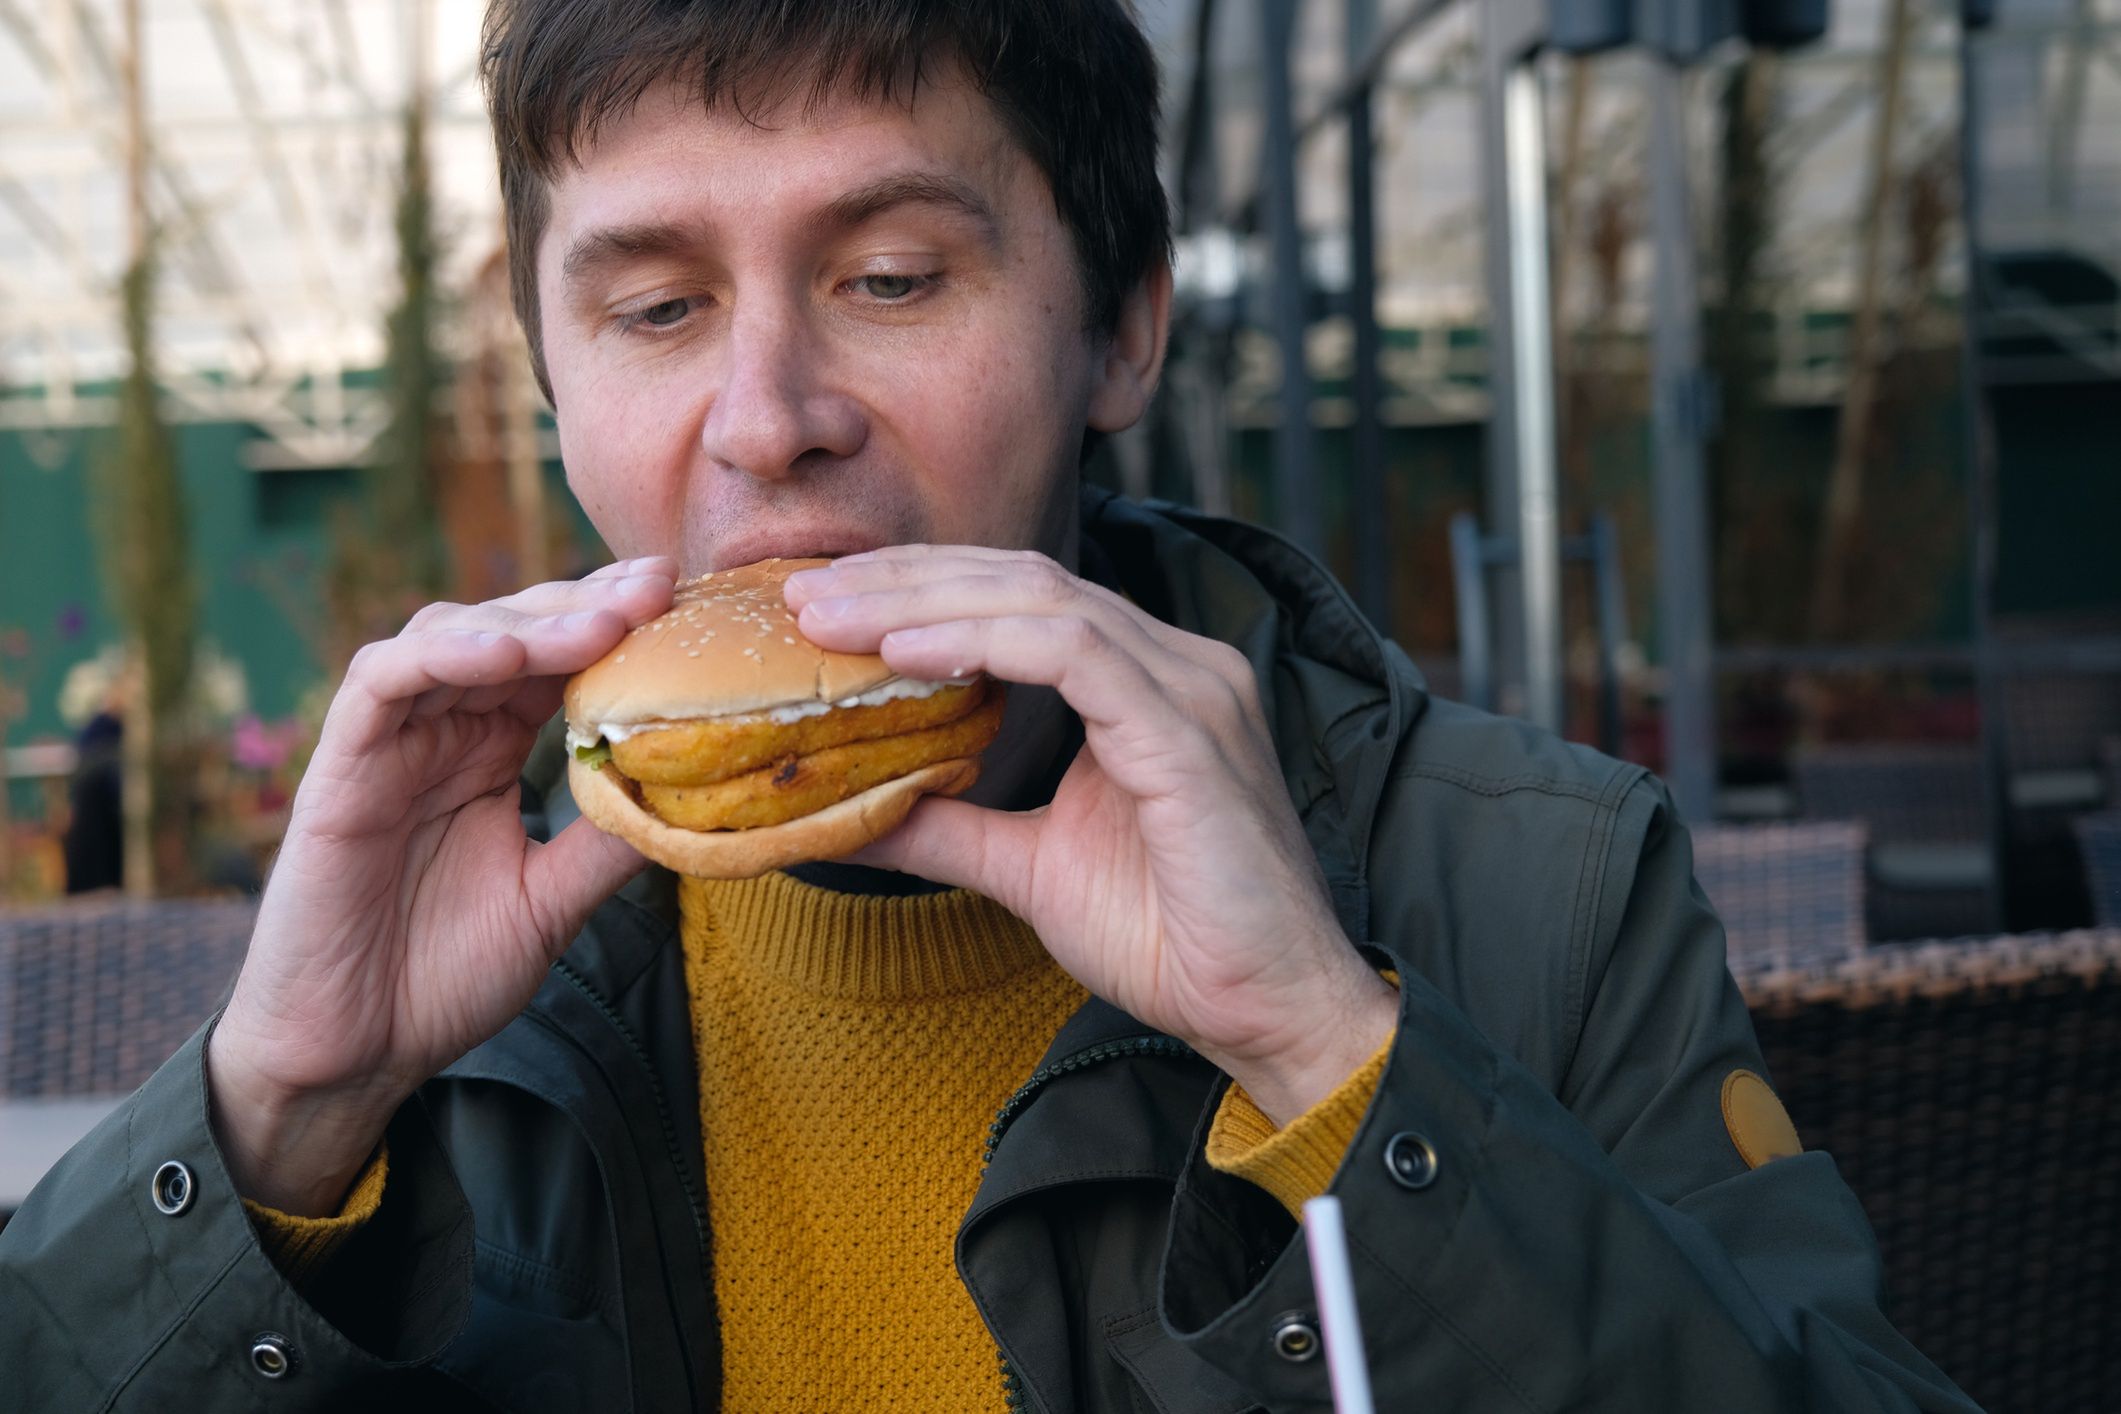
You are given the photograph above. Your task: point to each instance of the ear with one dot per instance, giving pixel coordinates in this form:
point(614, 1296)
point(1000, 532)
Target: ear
point(1134, 355)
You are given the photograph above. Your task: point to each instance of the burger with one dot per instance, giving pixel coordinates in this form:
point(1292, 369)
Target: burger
point(721, 743)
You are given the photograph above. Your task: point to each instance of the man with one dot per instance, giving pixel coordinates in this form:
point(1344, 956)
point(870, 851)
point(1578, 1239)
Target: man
point(486, 1124)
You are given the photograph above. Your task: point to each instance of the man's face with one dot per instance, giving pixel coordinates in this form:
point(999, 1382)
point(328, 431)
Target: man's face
point(819, 333)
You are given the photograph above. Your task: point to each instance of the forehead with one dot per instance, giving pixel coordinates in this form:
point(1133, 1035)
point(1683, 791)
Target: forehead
point(671, 153)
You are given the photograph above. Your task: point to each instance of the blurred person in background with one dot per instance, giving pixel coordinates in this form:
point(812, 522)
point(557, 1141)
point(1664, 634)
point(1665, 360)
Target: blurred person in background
point(94, 842)
point(496, 1117)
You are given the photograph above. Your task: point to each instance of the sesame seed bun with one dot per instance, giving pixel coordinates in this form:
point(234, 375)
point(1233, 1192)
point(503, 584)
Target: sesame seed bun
point(728, 645)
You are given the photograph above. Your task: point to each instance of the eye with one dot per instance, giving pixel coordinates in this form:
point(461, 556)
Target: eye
point(662, 316)
point(893, 289)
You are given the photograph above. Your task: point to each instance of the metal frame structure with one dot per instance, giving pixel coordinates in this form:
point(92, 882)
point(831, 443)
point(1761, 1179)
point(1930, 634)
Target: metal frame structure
point(275, 133)
point(1842, 131)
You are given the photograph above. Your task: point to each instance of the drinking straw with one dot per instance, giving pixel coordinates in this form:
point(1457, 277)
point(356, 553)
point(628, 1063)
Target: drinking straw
point(1332, 1279)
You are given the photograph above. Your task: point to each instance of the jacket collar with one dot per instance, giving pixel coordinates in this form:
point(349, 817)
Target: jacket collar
point(1338, 696)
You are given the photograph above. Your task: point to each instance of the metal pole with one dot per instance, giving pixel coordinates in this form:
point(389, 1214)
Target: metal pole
point(1980, 448)
point(1507, 29)
point(1532, 378)
point(1684, 588)
point(1296, 492)
point(1366, 436)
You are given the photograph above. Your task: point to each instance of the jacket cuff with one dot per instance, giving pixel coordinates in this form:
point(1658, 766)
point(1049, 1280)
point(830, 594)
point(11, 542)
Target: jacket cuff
point(1232, 1278)
point(300, 1246)
point(1294, 1163)
point(158, 1290)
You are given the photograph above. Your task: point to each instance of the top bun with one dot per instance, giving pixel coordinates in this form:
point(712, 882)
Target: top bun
point(728, 645)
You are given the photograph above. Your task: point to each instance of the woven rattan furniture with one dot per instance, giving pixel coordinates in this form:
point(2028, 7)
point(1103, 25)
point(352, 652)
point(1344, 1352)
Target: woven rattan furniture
point(1787, 893)
point(1971, 1094)
point(95, 995)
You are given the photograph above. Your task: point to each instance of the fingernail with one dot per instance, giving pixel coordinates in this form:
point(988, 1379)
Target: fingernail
point(575, 623)
point(837, 607)
point(487, 640)
point(650, 562)
point(908, 637)
point(635, 583)
point(812, 581)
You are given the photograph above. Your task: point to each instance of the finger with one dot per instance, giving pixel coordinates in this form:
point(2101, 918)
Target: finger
point(860, 573)
point(435, 702)
point(386, 676)
point(962, 845)
point(628, 581)
point(920, 552)
point(998, 582)
point(639, 597)
point(475, 701)
point(567, 877)
point(1096, 673)
point(856, 620)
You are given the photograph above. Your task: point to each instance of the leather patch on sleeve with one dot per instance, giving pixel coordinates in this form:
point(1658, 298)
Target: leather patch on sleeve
point(1758, 1123)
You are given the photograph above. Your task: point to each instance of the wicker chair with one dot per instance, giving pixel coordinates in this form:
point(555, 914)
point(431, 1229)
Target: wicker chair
point(1971, 1094)
point(1930, 870)
point(1787, 893)
point(95, 995)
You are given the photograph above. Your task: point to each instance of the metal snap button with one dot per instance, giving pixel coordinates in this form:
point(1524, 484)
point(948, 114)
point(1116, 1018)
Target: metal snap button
point(270, 1357)
point(1296, 1338)
point(173, 1188)
point(1410, 1160)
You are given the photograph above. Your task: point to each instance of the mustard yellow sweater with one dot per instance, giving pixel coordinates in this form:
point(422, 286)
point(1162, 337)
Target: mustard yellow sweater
point(852, 1052)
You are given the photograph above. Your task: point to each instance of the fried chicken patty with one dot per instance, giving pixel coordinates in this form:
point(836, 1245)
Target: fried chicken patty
point(797, 785)
point(700, 753)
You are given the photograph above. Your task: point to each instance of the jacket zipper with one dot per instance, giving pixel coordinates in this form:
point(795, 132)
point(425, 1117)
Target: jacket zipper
point(664, 1123)
point(1012, 1382)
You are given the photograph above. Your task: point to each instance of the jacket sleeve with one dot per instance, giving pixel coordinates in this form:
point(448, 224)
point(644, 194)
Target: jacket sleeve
point(1604, 1248)
point(123, 1286)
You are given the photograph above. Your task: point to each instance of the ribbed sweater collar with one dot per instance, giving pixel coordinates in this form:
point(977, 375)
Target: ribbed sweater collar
point(858, 947)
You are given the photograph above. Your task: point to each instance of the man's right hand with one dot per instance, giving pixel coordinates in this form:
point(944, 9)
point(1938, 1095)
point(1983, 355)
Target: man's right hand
point(408, 917)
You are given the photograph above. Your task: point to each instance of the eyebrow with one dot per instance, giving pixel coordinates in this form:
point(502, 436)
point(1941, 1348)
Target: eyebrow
point(610, 246)
point(865, 204)
point(602, 249)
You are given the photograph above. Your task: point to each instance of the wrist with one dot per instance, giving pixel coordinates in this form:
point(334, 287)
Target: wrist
point(292, 1149)
point(1349, 1023)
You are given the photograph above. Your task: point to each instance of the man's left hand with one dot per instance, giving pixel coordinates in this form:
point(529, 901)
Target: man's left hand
point(1169, 875)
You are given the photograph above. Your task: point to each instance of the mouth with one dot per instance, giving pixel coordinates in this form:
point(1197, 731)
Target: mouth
point(792, 545)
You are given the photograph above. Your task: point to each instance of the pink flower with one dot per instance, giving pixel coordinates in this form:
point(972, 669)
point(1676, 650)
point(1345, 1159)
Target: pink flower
point(262, 746)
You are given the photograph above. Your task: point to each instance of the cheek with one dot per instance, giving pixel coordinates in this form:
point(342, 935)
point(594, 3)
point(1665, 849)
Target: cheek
point(624, 452)
point(987, 424)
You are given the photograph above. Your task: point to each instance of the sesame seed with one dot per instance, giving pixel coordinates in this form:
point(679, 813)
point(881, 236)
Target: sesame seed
point(693, 654)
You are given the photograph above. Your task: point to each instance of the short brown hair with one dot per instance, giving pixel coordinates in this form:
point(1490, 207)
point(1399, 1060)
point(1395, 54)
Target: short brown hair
point(1074, 82)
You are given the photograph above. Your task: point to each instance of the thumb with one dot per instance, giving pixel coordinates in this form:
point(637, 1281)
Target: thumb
point(577, 870)
point(963, 845)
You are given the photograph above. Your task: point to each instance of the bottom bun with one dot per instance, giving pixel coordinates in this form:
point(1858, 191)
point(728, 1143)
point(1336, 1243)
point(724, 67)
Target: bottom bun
point(743, 854)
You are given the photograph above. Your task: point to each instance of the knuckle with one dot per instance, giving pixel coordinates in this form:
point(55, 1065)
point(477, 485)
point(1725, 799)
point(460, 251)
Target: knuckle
point(1050, 584)
point(1080, 635)
point(427, 615)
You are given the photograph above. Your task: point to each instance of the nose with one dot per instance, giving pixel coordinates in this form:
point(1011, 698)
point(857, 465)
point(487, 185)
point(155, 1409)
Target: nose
point(773, 411)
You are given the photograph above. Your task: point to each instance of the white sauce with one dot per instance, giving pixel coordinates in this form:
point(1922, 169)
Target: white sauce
point(779, 716)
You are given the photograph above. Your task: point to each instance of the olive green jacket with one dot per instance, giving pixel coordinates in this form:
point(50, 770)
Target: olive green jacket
point(1586, 1238)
